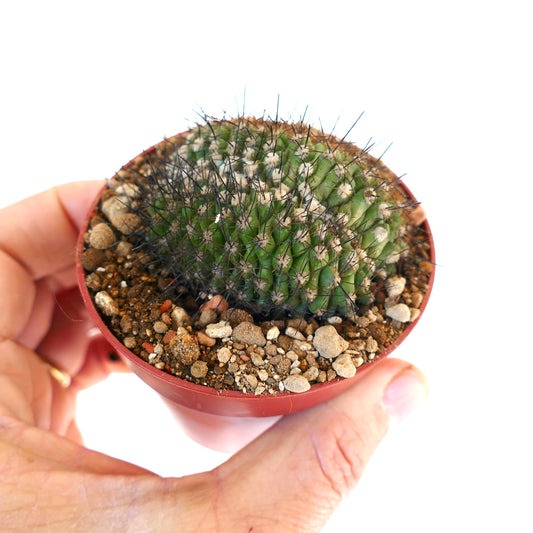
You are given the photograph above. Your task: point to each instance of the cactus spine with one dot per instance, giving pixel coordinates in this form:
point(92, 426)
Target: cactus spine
point(272, 215)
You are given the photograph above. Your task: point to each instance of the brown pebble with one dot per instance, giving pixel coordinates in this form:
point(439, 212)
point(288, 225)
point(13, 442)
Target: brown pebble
point(236, 316)
point(217, 304)
point(102, 236)
point(205, 339)
point(92, 258)
point(199, 369)
point(160, 327)
point(426, 267)
point(185, 347)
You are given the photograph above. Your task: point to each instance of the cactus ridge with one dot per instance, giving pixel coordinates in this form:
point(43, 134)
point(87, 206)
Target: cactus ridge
point(272, 215)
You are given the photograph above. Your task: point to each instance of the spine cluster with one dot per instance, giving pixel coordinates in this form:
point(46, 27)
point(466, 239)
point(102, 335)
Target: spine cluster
point(273, 216)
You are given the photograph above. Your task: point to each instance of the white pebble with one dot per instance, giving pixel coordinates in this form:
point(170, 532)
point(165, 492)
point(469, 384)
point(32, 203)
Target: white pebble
point(296, 383)
point(293, 333)
point(329, 343)
point(223, 355)
point(219, 330)
point(335, 320)
point(344, 367)
point(395, 286)
point(399, 312)
point(272, 333)
point(180, 316)
point(107, 305)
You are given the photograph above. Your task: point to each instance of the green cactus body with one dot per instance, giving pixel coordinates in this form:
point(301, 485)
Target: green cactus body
point(272, 215)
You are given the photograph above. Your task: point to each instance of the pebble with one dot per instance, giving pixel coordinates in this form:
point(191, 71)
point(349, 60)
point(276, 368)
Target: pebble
point(124, 248)
point(293, 333)
point(107, 305)
point(395, 286)
point(180, 316)
point(207, 316)
point(127, 223)
point(160, 327)
point(371, 345)
point(273, 333)
point(204, 339)
point(114, 206)
point(399, 312)
point(128, 189)
point(223, 355)
point(199, 369)
point(185, 347)
point(249, 334)
point(219, 330)
point(415, 313)
point(102, 236)
point(92, 258)
point(296, 383)
point(416, 299)
point(311, 374)
point(344, 367)
point(217, 303)
point(328, 342)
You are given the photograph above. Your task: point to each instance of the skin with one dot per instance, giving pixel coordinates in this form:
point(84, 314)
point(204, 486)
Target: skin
point(50, 482)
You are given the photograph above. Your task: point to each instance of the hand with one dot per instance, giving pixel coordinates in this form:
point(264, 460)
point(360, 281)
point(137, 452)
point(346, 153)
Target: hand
point(291, 478)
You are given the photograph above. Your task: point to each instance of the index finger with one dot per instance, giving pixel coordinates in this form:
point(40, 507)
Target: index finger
point(40, 232)
point(37, 242)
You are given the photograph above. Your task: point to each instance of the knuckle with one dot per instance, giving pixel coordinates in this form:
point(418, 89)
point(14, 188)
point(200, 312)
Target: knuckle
point(342, 452)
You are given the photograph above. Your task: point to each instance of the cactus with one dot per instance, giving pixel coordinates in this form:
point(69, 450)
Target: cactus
point(272, 215)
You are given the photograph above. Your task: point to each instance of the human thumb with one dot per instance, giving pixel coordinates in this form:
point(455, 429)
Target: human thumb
point(293, 476)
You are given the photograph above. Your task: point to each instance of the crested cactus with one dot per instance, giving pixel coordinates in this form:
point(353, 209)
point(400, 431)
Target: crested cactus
point(272, 215)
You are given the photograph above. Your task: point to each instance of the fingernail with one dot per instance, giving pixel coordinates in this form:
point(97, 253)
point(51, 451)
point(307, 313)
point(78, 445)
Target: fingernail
point(404, 393)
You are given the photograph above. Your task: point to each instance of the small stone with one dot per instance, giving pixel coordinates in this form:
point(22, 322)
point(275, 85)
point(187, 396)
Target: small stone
point(199, 369)
point(273, 333)
point(223, 355)
point(328, 342)
point(262, 375)
point(180, 317)
point(298, 323)
point(160, 327)
point(106, 304)
point(93, 281)
point(220, 330)
point(344, 367)
point(395, 286)
point(129, 190)
point(217, 303)
point(235, 316)
point(371, 345)
point(257, 360)
point(296, 383)
point(205, 340)
point(415, 313)
point(102, 236)
point(124, 248)
point(127, 223)
point(114, 206)
point(399, 312)
point(335, 320)
point(416, 299)
point(130, 342)
point(185, 347)
point(311, 374)
point(207, 316)
point(293, 333)
point(249, 334)
point(92, 258)
point(252, 380)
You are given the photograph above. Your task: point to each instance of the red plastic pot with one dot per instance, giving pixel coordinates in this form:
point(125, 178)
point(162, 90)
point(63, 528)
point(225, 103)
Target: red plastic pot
point(226, 420)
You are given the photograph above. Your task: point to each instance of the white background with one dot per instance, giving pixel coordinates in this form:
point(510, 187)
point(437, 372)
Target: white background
point(85, 87)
